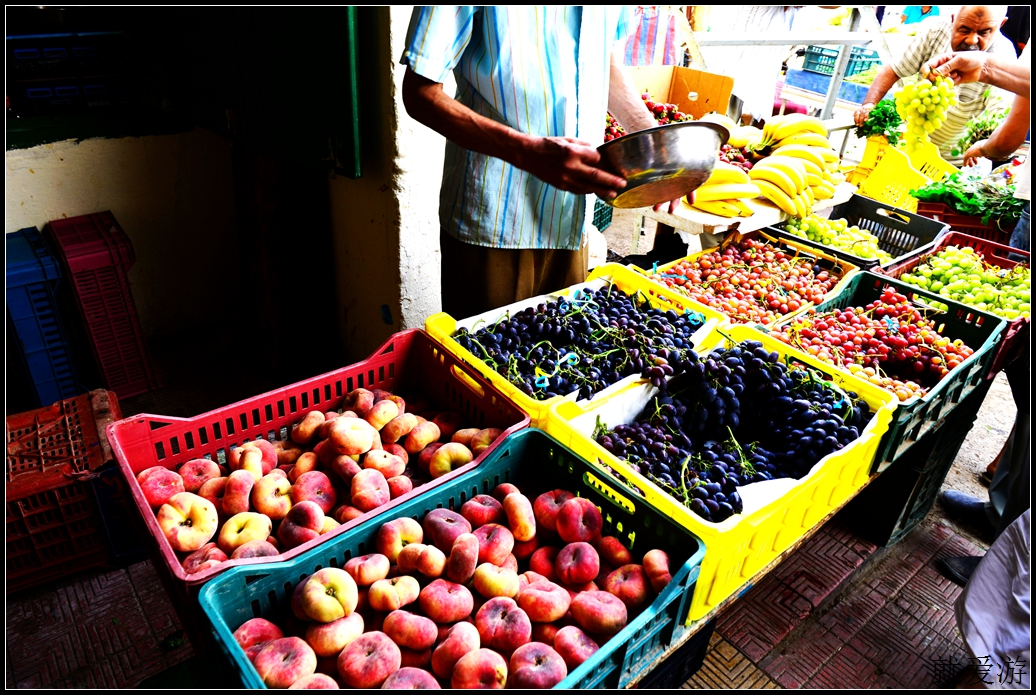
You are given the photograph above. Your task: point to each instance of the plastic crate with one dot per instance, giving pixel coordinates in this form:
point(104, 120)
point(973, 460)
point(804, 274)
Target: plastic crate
point(1016, 335)
point(96, 256)
point(54, 526)
point(602, 214)
point(980, 331)
point(740, 547)
point(896, 174)
point(537, 463)
point(826, 261)
point(408, 362)
point(898, 232)
point(32, 276)
point(443, 327)
point(822, 60)
point(681, 664)
point(967, 224)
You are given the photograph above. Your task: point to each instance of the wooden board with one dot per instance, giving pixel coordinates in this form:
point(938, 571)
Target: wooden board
point(694, 91)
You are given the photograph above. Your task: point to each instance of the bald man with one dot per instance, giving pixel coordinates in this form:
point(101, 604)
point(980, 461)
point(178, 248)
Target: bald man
point(973, 28)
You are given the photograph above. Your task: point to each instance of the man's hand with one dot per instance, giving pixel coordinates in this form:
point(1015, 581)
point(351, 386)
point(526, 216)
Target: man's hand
point(671, 206)
point(974, 152)
point(860, 115)
point(568, 164)
point(959, 67)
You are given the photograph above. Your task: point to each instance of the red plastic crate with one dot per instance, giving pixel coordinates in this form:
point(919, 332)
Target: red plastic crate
point(96, 255)
point(1016, 336)
point(409, 362)
point(53, 523)
point(966, 224)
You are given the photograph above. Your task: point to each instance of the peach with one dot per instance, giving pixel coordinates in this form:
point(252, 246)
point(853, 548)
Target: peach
point(543, 562)
point(188, 521)
point(369, 490)
point(629, 584)
point(196, 472)
point(392, 594)
point(544, 632)
point(256, 632)
point(367, 569)
point(484, 439)
point(524, 550)
point(410, 630)
point(209, 555)
point(159, 484)
point(398, 427)
point(326, 452)
point(315, 487)
point(242, 528)
point(613, 551)
point(656, 566)
point(424, 459)
point(237, 497)
point(464, 436)
point(426, 559)
point(346, 513)
point(329, 594)
point(306, 462)
point(399, 486)
point(579, 520)
point(329, 639)
point(295, 602)
point(306, 430)
point(329, 525)
point(324, 431)
point(503, 490)
point(303, 523)
point(411, 678)
point(345, 468)
point(398, 400)
point(352, 436)
point(368, 660)
point(606, 569)
point(418, 659)
point(448, 423)
point(443, 527)
point(446, 602)
point(483, 509)
point(510, 563)
point(492, 581)
point(284, 661)
point(358, 401)
point(271, 496)
point(599, 612)
point(544, 601)
point(482, 669)
point(394, 535)
point(463, 559)
point(536, 665)
point(381, 413)
point(397, 450)
point(421, 436)
point(495, 543)
point(380, 460)
point(520, 517)
point(288, 452)
point(213, 490)
point(255, 548)
point(577, 563)
point(502, 625)
point(530, 577)
point(267, 461)
point(547, 506)
point(315, 681)
point(447, 458)
point(574, 646)
point(460, 639)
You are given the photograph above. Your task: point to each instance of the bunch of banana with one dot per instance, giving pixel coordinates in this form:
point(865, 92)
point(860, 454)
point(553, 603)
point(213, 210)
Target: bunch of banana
point(742, 136)
point(724, 192)
point(784, 181)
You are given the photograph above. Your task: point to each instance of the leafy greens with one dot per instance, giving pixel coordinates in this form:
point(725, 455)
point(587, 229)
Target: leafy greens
point(990, 198)
point(882, 120)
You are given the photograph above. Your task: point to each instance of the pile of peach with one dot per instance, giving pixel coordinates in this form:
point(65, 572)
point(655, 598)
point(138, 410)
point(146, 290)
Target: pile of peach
point(442, 602)
point(334, 468)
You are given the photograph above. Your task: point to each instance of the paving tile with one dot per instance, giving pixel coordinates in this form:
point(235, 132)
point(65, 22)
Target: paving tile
point(858, 605)
point(846, 669)
point(801, 655)
point(763, 617)
point(726, 667)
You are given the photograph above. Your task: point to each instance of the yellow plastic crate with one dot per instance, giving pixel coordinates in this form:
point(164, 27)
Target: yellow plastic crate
point(741, 546)
point(872, 154)
point(442, 328)
point(897, 173)
point(847, 269)
point(927, 161)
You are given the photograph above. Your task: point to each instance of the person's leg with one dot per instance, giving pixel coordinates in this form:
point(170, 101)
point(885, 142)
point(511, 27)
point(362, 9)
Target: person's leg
point(1009, 489)
point(1020, 235)
point(476, 279)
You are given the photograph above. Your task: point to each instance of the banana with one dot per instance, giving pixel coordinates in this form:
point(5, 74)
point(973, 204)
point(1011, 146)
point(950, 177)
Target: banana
point(790, 165)
point(802, 209)
point(743, 136)
point(814, 179)
point(802, 152)
point(777, 176)
point(724, 172)
point(771, 126)
point(778, 197)
point(799, 123)
point(717, 207)
point(811, 139)
point(823, 192)
point(807, 194)
point(719, 119)
point(726, 191)
point(741, 205)
point(837, 178)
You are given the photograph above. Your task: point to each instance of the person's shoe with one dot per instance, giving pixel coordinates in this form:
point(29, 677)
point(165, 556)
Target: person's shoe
point(959, 569)
point(966, 509)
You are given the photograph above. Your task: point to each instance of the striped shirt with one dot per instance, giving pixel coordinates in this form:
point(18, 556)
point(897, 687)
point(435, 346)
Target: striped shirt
point(972, 98)
point(540, 70)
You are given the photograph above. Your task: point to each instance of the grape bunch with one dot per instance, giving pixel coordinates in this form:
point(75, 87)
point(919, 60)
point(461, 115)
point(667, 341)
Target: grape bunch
point(839, 234)
point(922, 105)
point(586, 343)
point(738, 417)
point(751, 281)
point(961, 274)
point(612, 129)
point(889, 342)
point(735, 156)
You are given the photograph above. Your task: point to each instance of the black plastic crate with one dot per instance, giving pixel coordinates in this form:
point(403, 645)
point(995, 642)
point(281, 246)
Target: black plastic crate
point(681, 664)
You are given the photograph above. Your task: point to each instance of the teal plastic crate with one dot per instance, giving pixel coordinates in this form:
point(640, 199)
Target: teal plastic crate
point(602, 218)
point(979, 330)
point(822, 60)
point(537, 463)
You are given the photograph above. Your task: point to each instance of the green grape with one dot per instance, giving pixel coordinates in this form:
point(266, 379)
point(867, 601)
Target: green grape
point(922, 105)
point(961, 274)
point(840, 235)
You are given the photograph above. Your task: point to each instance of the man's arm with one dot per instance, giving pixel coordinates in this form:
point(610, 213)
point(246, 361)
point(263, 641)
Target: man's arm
point(1007, 137)
point(566, 163)
point(883, 82)
point(979, 66)
point(624, 101)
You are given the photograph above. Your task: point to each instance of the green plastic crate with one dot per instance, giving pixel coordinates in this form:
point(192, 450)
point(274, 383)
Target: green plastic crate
point(537, 463)
point(979, 330)
point(602, 218)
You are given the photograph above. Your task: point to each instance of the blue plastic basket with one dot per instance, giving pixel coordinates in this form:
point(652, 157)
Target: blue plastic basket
point(537, 463)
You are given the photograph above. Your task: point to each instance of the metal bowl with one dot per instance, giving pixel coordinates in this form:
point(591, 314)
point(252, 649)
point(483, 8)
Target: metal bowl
point(664, 163)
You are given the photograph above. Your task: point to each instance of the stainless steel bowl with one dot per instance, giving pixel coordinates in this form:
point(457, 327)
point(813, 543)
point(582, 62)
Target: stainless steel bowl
point(664, 163)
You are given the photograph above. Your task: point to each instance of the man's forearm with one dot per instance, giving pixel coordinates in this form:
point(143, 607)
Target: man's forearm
point(624, 101)
point(883, 82)
point(1010, 134)
point(1012, 75)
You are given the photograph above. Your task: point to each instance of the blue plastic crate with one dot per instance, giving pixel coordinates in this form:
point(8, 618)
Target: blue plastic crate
point(32, 277)
point(822, 60)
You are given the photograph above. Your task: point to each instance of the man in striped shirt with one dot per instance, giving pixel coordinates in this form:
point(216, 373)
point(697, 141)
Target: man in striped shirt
point(533, 86)
point(973, 28)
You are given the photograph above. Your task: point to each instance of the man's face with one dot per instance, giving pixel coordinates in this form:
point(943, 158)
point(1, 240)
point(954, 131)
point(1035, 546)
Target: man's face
point(974, 28)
